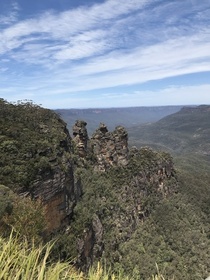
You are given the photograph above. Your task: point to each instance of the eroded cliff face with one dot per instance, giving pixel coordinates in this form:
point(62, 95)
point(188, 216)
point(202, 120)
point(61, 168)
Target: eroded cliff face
point(91, 245)
point(110, 148)
point(150, 182)
point(80, 137)
point(54, 181)
point(120, 186)
point(57, 191)
point(36, 151)
point(125, 187)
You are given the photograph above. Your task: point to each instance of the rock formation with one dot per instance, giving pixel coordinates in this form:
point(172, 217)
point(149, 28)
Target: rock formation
point(36, 151)
point(122, 198)
point(54, 181)
point(110, 148)
point(38, 158)
point(91, 246)
point(80, 137)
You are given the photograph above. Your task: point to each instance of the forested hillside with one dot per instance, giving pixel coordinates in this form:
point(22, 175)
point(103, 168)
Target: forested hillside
point(131, 209)
point(185, 135)
point(183, 132)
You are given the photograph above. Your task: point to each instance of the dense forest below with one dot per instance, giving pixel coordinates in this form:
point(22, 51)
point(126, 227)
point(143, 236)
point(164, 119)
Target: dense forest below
point(140, 210)
point(186, 131)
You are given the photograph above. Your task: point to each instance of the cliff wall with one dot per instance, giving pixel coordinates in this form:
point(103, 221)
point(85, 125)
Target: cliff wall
point(108, 149)
point(36, 151)
point(122, 187)
point(39, 159)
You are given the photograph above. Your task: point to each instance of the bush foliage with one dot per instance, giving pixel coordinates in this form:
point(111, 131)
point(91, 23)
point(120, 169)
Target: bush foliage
point(142, 226)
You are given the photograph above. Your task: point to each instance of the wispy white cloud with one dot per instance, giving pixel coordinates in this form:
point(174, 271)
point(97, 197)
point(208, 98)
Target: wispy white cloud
point(11, 16)
point(105, 45)
point(173, 95)
point(84, 32)
point(3, 69)
point(169, 95)
point(51, 38)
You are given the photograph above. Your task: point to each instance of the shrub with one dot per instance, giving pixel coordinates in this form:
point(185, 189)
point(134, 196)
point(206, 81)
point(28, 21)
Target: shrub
point(27, 218)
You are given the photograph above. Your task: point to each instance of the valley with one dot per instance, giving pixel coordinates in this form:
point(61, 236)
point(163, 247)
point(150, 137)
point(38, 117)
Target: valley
point(132, 198)
point(113, 117)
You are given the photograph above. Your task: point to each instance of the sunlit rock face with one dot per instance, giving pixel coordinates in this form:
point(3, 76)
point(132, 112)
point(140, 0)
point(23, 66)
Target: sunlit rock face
point(36, 159)
point(56, 189)
point(54, 181)
point(110, 148)
point(80, 137)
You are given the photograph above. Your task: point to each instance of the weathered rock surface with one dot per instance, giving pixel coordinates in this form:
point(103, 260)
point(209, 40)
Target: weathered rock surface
point(110, 148)
point(123, 198)
point(91, 246)
point(80, 137)
point(36, 151)
point(38, 159)
point(55, 184)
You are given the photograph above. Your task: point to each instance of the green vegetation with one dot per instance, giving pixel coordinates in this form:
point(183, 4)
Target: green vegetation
point(130, 219)
point(29, 139)
point(20, 259)
point(174, 233)
point(183, 220)
point(5, 201)
point(186, 131)
point(26, 218)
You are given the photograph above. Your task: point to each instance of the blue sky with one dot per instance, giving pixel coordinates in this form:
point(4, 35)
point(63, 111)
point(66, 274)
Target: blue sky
point(114, 53)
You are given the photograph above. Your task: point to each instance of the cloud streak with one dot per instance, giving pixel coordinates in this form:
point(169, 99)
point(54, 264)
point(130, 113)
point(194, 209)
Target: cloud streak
point(109, 44)
point(11, 16)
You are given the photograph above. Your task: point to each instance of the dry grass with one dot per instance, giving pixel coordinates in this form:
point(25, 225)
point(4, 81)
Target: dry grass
point(21, 261)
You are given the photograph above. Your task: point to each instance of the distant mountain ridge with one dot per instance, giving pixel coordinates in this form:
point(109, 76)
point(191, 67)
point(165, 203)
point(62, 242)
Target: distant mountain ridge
point(113, 117)
point(184, 131)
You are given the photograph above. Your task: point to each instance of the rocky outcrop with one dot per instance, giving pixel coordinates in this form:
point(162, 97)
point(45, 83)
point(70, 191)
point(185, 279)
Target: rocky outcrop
point(110, 148)
point(91, 246)
point(150, 183)
point(56, 190)
point(54, 180)
point(39, 159)
point(123, 198)
point(36, 151)
point(80, 137)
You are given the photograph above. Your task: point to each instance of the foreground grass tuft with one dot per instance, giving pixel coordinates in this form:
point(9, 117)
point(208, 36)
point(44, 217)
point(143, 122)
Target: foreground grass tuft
point(21, 261)
point(18, 260)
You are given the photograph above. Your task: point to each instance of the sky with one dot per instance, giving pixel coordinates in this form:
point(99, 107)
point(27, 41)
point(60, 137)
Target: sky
point(113, 53)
